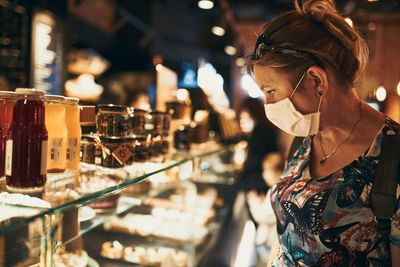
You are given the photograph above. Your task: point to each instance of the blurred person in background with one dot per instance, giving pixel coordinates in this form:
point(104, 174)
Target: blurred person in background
point(262, 139)
point(261, 208)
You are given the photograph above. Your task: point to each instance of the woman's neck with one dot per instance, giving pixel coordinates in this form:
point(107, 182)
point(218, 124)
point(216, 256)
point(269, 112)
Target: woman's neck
point(339, 114)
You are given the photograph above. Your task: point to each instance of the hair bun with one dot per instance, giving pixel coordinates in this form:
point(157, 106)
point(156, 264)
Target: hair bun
point(315, 8)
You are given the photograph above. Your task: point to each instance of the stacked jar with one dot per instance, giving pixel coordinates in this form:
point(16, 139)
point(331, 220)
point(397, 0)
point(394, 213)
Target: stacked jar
point(26, 146)
point(74, 132)
point(139, 125)
point(117, 148)
point(157, 131)
point(166, 137)
point(7, 100)
point(58, 133)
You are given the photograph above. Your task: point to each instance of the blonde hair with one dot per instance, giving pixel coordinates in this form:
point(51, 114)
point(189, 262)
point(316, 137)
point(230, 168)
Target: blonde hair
point(316, 27)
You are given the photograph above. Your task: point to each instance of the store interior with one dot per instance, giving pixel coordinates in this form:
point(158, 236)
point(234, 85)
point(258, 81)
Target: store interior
point(153, 107)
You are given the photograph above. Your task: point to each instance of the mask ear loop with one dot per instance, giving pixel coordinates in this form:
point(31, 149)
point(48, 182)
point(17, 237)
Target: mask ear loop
point(297, 85)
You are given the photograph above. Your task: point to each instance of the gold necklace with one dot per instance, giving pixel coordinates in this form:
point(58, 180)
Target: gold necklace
point(322, 162)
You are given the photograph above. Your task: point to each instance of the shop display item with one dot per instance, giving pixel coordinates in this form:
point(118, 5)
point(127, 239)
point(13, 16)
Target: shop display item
point(7, 100)
point(142, 147)
point(116, 151)
point(26, 147)
point(182, 138)
point(57, 132)
point(64, 258)
point(112, 120)
point(112, 250)
point(174, 227)
point(137, 121)
point(158, 122)
point(198, 133)
point(88, 149)
point(143, 255)
point(94, 184)
point(135, 254)
point(72, 121)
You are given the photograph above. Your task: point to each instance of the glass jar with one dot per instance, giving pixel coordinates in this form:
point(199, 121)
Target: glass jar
point(74, 132)
point(88, 149)
point(137, 121)
point(116, 151)
point(158, 122)
point(112, 120)
point(7, 100)
point(166, 123)
point(26, 147)
point(142, 145)
point(58, 133)
point(155, 145)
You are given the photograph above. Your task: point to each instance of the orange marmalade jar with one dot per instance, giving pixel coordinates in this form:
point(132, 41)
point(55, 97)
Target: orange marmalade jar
point(74, 132)
point(57, 132)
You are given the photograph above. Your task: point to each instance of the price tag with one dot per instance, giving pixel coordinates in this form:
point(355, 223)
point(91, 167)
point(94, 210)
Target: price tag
point(122, 153)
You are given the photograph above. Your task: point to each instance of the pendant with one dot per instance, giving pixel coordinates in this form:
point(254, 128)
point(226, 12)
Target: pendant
point(322, 162)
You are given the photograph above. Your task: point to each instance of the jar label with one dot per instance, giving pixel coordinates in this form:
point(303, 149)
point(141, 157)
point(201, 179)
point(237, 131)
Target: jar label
point(122, 153)
point(9, 151)
point(148, 126)
point(72, 144)
point(43, 162)
point(55, 149)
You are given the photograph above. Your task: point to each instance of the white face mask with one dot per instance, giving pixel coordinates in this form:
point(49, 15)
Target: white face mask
point(285, 116)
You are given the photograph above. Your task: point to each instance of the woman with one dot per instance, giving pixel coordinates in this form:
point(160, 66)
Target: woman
point(262, 141)
point(306, 62)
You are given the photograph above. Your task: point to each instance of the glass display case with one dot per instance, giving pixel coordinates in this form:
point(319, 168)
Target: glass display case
point(165, 212)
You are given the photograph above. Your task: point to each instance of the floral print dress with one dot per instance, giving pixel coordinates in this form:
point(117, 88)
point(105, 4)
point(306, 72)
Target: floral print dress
point(329, 221)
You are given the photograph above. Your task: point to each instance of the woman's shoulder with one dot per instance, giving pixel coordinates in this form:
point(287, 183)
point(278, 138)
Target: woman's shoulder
point(389, 129)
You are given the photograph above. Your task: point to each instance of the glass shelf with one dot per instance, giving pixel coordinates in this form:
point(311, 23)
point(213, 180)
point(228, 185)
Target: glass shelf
point(65, 191)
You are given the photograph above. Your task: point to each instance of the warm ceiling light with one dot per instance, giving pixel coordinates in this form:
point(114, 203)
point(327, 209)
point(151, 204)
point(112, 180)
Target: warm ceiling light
point(240, 62)
point(218, 30)
point(182, 94)
point(349, 21)
point(373, 0)
point(159, 67)
point(371, 26)
point(230, 50)
point(380, 93)
point(205, 4)
point(398, 88)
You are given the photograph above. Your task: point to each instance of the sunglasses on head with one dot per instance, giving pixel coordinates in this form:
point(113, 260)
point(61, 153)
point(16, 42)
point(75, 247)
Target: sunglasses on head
point(263, 46)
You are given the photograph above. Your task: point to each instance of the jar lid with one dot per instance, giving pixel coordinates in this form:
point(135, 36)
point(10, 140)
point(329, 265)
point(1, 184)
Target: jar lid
point(111, 107)
point(136, 110)
point(87, 137)
point(112, 139)
point(71, 100)
point(156, 112)
point(56, 98)
point(29, 91)
point(8, 94)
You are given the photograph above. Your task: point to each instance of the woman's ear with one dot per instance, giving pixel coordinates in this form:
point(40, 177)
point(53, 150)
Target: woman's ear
point(317, 79)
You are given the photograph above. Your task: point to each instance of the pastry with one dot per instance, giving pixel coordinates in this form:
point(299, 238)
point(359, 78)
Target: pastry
point(180, 258)
point(134, 254)
point(152, 256)
point(71, 259)
point(112, 250)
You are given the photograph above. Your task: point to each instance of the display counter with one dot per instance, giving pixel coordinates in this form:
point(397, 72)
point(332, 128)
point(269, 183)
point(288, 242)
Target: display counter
point(167, 212)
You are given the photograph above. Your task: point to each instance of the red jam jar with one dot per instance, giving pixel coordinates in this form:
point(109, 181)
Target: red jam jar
point(26, 146)
point(7, 100)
